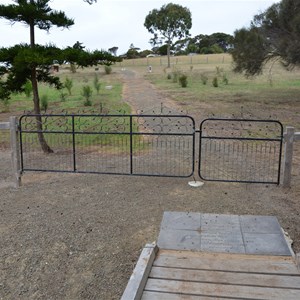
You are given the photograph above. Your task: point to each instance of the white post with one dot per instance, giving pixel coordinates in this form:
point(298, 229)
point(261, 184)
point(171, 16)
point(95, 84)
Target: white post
point(15, 151)
point(288, 155)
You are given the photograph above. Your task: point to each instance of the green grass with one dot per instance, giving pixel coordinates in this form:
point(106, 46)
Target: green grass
point(109, 100)
point(264, 97)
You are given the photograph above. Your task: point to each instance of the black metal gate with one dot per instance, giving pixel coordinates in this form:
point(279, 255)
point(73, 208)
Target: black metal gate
point(154, 145)
point(240, 150)
point(151, 145)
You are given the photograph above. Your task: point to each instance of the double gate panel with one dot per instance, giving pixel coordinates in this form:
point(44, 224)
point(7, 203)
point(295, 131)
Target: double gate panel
point(152, 145)
point(240, 150)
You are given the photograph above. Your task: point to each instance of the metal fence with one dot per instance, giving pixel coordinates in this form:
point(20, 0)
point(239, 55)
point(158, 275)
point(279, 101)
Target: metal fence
point(240, 150)
point(151, 145)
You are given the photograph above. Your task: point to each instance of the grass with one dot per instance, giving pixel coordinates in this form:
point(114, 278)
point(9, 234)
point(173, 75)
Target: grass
point(107, 99)
point(262, 97)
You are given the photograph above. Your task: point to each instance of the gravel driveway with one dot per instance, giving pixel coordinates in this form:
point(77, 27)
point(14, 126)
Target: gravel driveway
point(73, 236)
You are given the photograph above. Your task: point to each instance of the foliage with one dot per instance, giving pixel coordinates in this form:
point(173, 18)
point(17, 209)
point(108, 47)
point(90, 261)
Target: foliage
point(44, 102)
point(170, 22)
point(113, 50)
point(215, 82)
point(68, 84)
point(203, 79)
point(218, 42)
point(87, 94)
point(169, 76)
point(175, 75)
point(28, 88)
point(107, 70)
point(225, 79)
point(273, 34)
point(63, 96)
point(183, 80)
point(97, 84)
point(33, 62)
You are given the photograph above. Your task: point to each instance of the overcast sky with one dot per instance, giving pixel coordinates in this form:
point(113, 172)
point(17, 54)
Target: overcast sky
point(119, 23)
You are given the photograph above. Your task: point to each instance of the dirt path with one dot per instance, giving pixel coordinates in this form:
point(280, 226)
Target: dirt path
point(144, 98)
point(73, 236)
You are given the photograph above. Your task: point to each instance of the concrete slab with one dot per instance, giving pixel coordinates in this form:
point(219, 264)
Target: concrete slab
point(260, 235)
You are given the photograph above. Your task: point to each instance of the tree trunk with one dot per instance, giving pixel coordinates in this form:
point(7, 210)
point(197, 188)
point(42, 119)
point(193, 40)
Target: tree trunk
point(168, 54)
point(36, 104)
point(36, 98)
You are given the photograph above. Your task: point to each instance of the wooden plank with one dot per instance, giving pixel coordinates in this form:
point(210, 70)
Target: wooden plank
point(220, 290)
point(250, 279)
point(167, 296)
point(140, 273)
point(226, 262)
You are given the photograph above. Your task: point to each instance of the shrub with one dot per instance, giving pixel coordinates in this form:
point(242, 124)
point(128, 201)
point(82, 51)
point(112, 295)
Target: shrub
point(68, 85)
point(108, 69)
point(97, 84)
point(219, 70)
point(215, 82)
point(87, 93)
point(225, 79)
point(169, 76)
point(28, 88)
point(175, 75)
point(63, 96)
point(183, 80)
point(204, 79)
point(44, 102)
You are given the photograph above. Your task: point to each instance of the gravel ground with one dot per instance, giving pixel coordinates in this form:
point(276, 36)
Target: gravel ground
point(73, 236)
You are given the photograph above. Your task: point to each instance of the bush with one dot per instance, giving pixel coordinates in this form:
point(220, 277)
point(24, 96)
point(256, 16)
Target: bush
point(63, 96)
point(108, 69)
point(44, 102)
point(175, 76)
point(215, 82)
point(219, 70)
point(28, 88)
point(204, 79)
point(68, 85)
point(97, 84)
point(183, 80)
point(87, 93)
point(169, 76)
point(225, 79)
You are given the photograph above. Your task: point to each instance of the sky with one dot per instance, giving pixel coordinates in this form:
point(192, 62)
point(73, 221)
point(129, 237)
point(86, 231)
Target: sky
point(119, 23)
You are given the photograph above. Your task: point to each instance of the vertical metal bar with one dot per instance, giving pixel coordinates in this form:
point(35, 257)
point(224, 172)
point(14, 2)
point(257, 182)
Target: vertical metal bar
point(21, 144)
point(73, 143)
point(280, 153)
point(131, 145)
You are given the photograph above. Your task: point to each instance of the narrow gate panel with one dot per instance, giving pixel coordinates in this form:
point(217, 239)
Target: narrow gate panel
point(240, 150)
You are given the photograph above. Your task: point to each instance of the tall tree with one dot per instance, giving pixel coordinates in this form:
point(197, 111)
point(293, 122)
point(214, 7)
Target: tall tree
point(171, 21)
point(272, 35)
point(32, 61)
point(35, 14)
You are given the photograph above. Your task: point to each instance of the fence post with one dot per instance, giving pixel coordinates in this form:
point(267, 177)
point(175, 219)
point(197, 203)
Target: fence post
point(15, 151)
point(288, 155)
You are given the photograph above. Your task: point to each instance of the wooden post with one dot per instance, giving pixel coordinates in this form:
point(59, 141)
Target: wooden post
point(288, 155)
point(15, 151)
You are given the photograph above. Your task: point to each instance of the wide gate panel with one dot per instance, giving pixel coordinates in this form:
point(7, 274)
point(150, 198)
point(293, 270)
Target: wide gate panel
point(152, 145)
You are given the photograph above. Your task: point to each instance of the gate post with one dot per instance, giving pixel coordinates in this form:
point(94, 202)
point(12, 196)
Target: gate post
point(15, 151)
point(288, 155)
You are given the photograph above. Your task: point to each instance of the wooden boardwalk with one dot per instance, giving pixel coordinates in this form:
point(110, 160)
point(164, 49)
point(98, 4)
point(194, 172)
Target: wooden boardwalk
point(184, 274)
